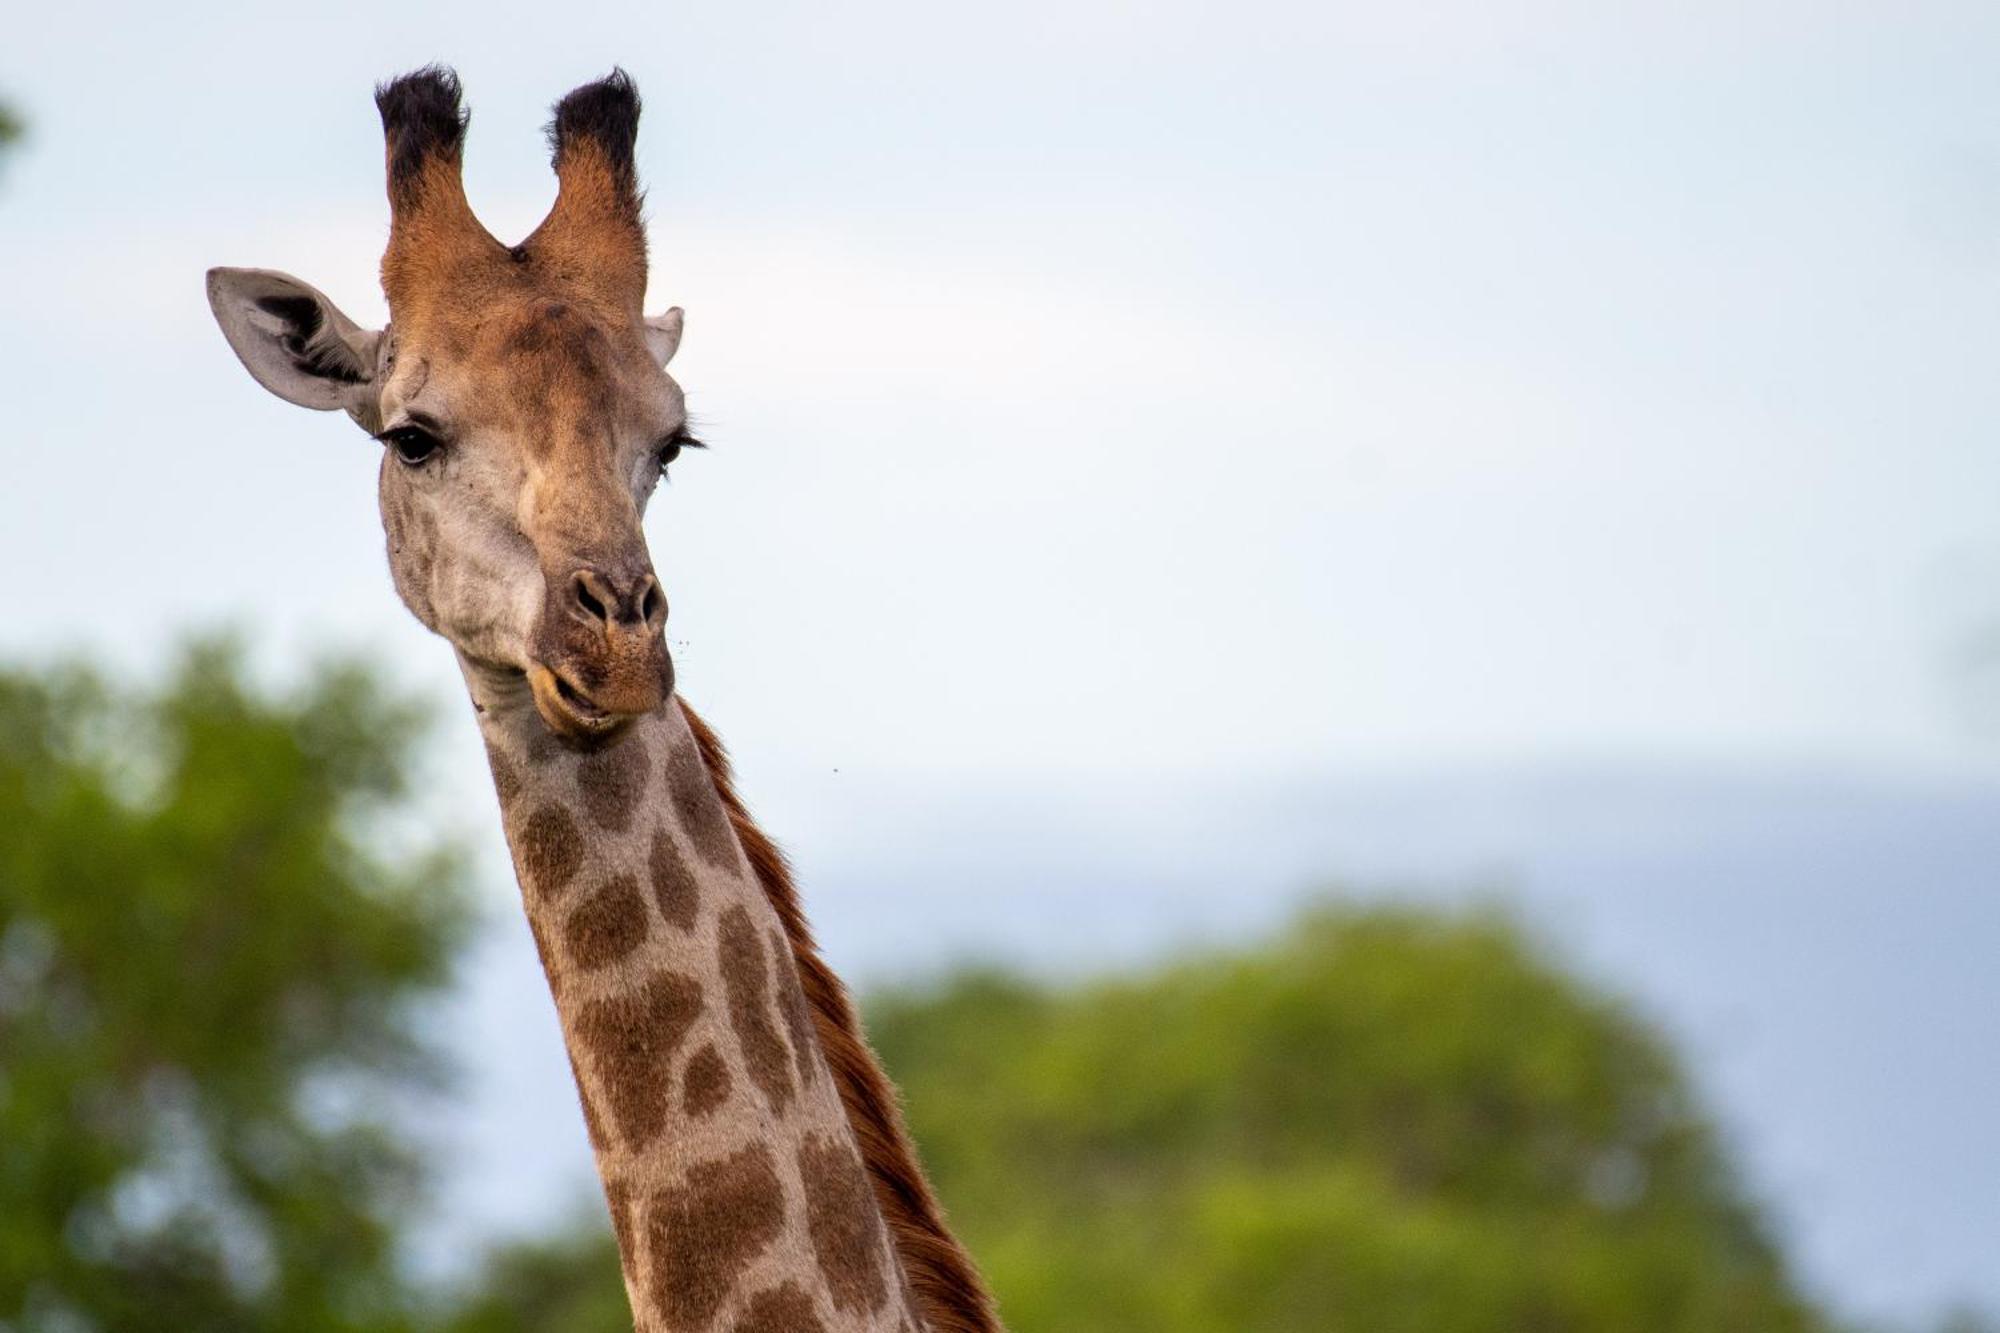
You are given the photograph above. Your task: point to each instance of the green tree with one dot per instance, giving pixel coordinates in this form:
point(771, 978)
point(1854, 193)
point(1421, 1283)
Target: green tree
point(1385, 1120)
point(566, 1280)
point(206, 976)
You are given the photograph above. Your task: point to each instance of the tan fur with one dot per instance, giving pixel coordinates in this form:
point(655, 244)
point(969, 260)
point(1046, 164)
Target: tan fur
point(729, 1163)
point(594, 230)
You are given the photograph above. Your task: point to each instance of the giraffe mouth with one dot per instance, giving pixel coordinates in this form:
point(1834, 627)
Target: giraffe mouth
point(570, 713)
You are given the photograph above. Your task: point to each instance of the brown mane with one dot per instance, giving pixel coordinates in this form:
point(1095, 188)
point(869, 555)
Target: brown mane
point(942, 1275)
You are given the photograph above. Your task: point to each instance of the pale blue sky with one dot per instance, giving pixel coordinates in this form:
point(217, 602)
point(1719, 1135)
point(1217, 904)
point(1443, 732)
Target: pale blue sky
point(1234, 395)
point(1257, 385)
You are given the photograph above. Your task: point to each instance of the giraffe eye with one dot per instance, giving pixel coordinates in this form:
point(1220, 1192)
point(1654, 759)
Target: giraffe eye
point(413, 444)
point(670, 448)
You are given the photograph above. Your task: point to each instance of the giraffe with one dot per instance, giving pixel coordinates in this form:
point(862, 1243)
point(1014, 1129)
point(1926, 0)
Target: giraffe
point(751, 1150)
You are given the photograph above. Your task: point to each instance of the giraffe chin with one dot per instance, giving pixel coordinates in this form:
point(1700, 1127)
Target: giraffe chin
point(573, 718)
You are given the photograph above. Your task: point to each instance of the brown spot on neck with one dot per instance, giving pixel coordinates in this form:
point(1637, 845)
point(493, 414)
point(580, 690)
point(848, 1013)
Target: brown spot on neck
point(792, 1005)
point(700, 812)
point(782, 1309)
point(740, 955)
point(551, 850)
point(674, 886)
point(703, 1235)
point(607, 925)
point(613, 782)
point(631, 1039)
point(506, 779)
point(846, 1228)
point(705, 1084)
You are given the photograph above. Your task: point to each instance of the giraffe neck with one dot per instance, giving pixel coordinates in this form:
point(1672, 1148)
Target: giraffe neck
point(738, 1197)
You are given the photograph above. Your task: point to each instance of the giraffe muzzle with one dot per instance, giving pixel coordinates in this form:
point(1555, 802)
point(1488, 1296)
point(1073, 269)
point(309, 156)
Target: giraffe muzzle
point(602, 660)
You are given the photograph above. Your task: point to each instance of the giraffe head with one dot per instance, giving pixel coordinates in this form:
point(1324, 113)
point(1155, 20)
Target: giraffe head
point(521, 397)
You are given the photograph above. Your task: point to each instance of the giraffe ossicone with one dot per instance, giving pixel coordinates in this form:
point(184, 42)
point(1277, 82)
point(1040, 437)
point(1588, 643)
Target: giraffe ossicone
point(754, 1163)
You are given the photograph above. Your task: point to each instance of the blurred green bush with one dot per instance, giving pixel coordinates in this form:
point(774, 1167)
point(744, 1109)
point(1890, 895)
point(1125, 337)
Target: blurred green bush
point(206, 973)
point(1385, 1120)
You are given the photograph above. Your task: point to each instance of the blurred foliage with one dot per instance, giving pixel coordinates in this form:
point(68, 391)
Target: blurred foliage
point(567, 1280)
point(206, 973)
point(1385, 1119)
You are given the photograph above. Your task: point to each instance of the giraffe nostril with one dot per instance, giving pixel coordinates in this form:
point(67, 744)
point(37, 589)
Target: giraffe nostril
point(590, 598)
point(600, 599)
point(652, 603)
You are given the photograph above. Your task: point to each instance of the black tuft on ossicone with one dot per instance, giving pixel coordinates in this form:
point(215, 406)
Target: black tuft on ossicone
point(608, 113)
point(421, 117)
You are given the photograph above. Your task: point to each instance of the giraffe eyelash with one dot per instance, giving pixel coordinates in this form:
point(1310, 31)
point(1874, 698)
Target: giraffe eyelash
point(670, 448)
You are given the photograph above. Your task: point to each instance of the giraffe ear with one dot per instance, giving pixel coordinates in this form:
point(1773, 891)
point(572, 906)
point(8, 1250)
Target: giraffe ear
point(294, 341)
point(663, 334)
